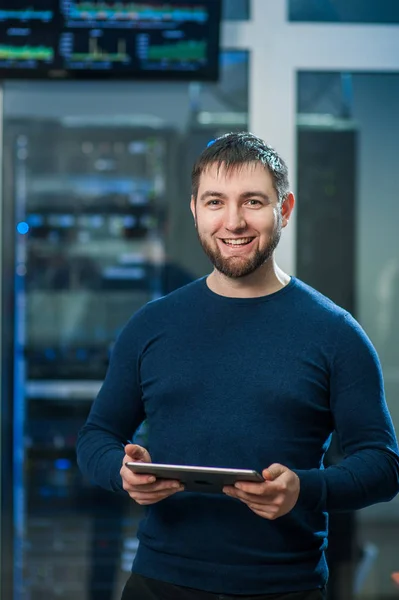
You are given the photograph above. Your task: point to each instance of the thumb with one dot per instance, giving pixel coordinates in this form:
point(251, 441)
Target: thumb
point(274, 471)
point(137, 453)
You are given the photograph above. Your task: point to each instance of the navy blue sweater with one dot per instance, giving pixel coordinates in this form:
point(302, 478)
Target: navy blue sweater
point(244, 383)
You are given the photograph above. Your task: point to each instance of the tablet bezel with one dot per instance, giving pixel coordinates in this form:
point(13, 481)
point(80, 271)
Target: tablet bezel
point(196, 479)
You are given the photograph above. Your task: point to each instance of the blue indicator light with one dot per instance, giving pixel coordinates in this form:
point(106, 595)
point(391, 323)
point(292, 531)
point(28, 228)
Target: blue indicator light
point(63, 464)
point(22, 227)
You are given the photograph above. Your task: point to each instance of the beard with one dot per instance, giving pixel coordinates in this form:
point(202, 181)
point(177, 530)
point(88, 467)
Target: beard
point(236, 267)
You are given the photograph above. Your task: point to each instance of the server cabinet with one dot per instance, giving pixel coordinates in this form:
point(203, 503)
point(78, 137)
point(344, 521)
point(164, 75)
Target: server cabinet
point(84, 211)
point(326, 223)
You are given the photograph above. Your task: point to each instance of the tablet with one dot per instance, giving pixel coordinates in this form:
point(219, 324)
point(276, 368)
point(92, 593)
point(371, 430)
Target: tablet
point(196, 479)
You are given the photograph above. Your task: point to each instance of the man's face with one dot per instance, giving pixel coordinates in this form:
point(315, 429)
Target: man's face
point(238, 218)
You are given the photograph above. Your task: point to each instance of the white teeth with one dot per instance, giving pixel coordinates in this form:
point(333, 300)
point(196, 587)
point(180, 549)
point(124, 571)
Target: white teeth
point(240, 242)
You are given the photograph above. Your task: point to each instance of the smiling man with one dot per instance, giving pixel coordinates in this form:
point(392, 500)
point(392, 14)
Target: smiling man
point(239, 215)
point(247, 368)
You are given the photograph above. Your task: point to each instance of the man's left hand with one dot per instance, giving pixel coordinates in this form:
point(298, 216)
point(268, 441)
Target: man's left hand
point(274, 497)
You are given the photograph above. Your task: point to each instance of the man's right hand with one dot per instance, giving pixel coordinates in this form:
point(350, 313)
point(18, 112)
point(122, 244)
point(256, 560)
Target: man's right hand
point(145, 489)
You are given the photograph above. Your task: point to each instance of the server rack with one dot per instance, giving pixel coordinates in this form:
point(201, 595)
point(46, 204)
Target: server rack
point(84, 206)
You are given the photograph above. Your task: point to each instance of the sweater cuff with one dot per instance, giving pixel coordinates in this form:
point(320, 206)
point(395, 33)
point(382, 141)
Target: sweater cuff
point(115, 479)
point(312, 494)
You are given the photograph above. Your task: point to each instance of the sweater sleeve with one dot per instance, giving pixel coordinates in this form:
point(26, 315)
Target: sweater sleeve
point(369, 473)
point(115, 415)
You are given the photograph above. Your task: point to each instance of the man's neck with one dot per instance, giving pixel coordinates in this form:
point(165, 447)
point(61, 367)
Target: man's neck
point(266, 280)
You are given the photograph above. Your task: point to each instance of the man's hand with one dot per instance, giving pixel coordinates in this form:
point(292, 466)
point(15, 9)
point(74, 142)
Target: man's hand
point(145, 489)
point(274, 497)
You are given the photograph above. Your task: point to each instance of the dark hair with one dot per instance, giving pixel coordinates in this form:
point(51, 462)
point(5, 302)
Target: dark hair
point(233, 150)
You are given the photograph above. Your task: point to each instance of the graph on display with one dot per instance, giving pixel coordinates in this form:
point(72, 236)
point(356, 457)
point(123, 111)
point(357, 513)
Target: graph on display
point(26, 53)
point(25, 11)
point(181, 51)
point(134, 12)
point(96, 53)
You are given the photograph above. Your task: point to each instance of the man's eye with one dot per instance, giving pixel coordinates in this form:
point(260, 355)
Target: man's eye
point(254, 202)
point(213, 202)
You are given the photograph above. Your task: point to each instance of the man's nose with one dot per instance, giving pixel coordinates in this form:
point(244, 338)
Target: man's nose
point(235, 219)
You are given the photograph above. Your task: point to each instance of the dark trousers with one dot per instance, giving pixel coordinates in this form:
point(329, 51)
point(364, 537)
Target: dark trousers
point(142, 588)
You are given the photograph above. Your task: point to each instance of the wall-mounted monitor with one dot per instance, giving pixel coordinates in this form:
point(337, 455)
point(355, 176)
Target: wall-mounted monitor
point(110, 39)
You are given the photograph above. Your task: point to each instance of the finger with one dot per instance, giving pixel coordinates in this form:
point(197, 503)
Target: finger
point(159, 486)
point(266, 511)
point(131, 479)
point(144, 499)
point(140, 493)
point(137, 453)
point(267, 490)
point(135, 478)
point(269, 508)
point(256, 489)
point(274, 471)
point(240, 495)
point(256, 499)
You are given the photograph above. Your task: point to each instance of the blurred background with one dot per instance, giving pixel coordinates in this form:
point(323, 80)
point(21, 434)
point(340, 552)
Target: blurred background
point(101, 120)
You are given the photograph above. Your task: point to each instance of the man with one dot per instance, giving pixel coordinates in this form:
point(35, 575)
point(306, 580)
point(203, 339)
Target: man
point(245, 368)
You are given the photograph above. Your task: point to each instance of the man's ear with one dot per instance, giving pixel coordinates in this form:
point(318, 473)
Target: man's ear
point(287, 207)
point(193, 208)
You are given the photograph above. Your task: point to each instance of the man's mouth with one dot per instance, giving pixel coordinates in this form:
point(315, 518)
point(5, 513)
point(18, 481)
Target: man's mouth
point(237, 241)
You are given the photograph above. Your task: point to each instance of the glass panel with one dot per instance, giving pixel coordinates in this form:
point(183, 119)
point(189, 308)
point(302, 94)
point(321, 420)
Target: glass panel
point(235, 10)
point(96, 207)
point(355, 11)
point(347, 135)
